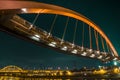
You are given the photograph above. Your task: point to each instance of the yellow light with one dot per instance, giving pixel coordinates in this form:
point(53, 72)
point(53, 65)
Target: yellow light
point(61, 73)
point(69, 73)
point(116, 70)
point(55, 74)
point(101, 71)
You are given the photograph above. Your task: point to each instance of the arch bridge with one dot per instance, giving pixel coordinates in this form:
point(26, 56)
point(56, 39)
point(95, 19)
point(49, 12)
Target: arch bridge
point(11, 68)
point(98, 44)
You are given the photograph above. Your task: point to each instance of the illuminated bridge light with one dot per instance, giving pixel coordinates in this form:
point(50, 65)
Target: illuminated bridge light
point(100, 57)
point(49, 34)
point(52, 44)
point(36, 37)
point(84, 54)
point(90, 50)
point(24, 9)
point(74, 51)
point(30, 26)
point(92, 55)
point(98, 52)
point(115, 58)
point(64, 48)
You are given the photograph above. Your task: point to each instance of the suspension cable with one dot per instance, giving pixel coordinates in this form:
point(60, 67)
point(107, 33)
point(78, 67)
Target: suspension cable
point(35, 19)
point(107, 47)
point(74, 36)
point(65, 28)
point(96, 38)
point(83, 35)
point(90, 37)
point(53, 24)
point(103, 46)
point(109, 50)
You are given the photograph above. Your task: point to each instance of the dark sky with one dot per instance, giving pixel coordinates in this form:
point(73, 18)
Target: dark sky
point(104, 13)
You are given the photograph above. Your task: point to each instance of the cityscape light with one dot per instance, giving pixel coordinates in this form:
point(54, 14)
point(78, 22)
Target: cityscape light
point(116, 70)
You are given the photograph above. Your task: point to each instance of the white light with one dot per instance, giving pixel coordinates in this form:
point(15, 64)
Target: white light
point(30, 26)
point(24, 9)
point(100, 57)
point(92, 55)
point(37, 36)
point(99, 66)
point(115, 58)
point(98, 52)
point(52, 44)
point(74, 51)
point(115, 63)
point(64, 48)
point(84, 54)
point(90, 50)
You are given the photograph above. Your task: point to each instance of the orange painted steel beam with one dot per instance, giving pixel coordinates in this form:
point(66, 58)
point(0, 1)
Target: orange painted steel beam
point(16, 7)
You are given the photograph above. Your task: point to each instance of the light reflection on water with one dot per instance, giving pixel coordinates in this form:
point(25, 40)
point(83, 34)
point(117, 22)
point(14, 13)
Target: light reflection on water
point(18, 78)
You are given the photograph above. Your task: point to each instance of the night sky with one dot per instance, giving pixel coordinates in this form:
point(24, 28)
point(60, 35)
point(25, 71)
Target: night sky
point(104, 13)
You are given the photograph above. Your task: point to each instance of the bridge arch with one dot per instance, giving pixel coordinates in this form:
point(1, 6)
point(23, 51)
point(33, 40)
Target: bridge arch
point(11, 68)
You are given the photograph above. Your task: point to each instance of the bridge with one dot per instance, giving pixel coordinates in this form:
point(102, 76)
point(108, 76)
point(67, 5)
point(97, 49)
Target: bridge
point(96, 46)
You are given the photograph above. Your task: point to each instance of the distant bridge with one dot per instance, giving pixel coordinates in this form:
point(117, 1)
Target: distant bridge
point(10, 22)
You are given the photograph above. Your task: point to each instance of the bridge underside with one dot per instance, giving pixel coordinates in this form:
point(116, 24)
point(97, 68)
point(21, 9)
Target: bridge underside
point(19, 27)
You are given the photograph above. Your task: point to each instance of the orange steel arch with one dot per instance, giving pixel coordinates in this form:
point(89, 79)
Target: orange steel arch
point(16, 7)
